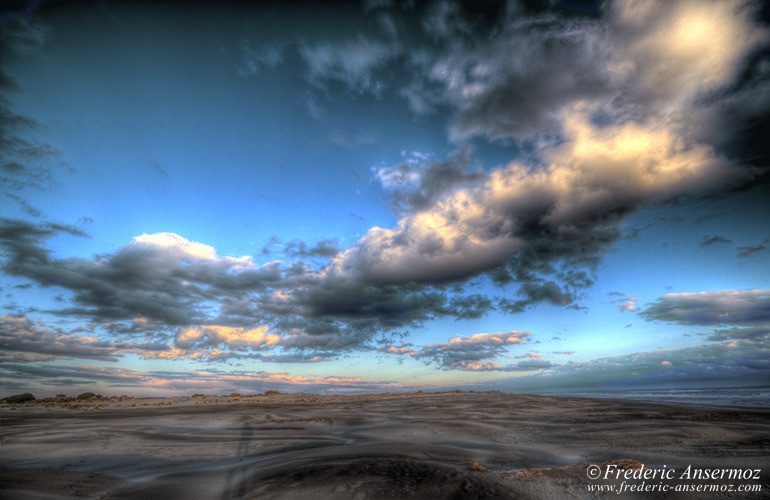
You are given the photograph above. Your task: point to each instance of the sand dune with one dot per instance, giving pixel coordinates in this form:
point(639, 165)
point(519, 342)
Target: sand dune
point(448, 445)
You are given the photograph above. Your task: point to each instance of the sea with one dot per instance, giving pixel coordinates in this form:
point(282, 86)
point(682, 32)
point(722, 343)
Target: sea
point(757, 397)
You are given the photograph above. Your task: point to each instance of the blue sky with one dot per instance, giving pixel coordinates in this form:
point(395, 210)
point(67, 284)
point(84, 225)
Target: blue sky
point(363, 197)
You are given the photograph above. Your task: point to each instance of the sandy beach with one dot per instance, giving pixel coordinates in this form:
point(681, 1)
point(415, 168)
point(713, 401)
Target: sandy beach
point(446, 445)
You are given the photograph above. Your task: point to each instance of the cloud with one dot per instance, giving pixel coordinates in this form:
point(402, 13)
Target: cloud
point(21, 337)
point(517, 83)
point(521, 366)
point(325, 249)
point(22, 240)
point(443, 20)
point(23, 35)
point(352, 62)
point(112, 380)
point(470, 306)
point(25, 206)
point(233, 338)
point(416, 186)
point(157, 168)
point(520, 223)
point(534, 292)
point(25, 163)
point(638, 60)
point(25, 340)
point(754, 332)
point(162, 277)
point(627, 303)
point(718, 364)
point(473, 353)
point(710, 240)
point(255, 60)
point(18, 357)
point(398, 350)
point(744, 252)
point(616, 113)
point(730, 307)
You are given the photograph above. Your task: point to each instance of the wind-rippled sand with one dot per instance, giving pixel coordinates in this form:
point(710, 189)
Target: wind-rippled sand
point(426, 446)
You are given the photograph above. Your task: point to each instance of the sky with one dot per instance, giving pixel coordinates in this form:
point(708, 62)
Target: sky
point(382, 196)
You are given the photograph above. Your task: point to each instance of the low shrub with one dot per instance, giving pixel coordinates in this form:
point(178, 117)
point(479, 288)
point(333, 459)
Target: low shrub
point(18, 398)
point(89, 395)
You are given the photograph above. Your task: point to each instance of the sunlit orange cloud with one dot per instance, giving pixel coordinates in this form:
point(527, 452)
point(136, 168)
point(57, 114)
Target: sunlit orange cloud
point(478, 366)
point(490, 338)
point(400, 350)
point(231, 336)
point(171, 353)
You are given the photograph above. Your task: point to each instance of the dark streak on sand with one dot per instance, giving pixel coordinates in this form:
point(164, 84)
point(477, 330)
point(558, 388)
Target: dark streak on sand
point(426, 446)
point(235, 487)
